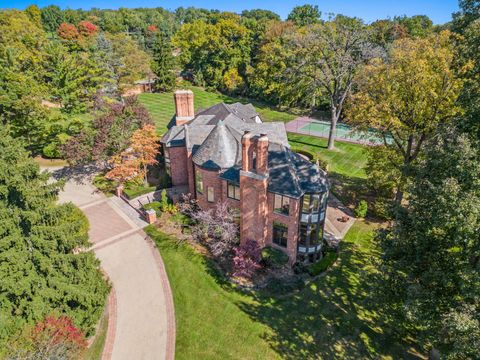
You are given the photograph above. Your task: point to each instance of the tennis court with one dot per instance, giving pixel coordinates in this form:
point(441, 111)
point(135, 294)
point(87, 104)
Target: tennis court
point(321, 128)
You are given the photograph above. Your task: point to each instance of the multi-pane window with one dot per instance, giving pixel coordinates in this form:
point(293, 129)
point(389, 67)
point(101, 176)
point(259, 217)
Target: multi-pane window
point(233, 191)
point(198, 182)
point(311, 203)
point(210, 194)
point(281, 204)
point(310, 234)
point(280, 234)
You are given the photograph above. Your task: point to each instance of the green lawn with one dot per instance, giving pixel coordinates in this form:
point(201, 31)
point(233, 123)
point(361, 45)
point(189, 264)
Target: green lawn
point(95, 350)
point(210, 323)
point(162, 108)
point(347, 159)
point(346, 166)
point(337, 316)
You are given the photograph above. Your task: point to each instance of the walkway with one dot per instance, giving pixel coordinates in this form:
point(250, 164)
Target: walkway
point(141, 322)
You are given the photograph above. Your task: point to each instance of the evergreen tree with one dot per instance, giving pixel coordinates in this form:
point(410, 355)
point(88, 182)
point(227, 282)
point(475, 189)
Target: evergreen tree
point(40, 273)
point(431, 261)
point(163, 62)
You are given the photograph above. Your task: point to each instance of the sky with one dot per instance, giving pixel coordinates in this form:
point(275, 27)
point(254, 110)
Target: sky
point(439, 11)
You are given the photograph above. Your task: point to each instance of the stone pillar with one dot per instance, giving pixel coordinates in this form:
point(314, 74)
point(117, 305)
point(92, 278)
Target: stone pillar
point(184, 106)
point(119, 190)
point(151, 216)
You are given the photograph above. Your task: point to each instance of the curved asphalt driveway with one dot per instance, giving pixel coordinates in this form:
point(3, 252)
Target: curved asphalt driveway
point(141, 322)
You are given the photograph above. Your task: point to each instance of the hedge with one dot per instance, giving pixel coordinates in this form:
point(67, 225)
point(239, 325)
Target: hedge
point(319, 267)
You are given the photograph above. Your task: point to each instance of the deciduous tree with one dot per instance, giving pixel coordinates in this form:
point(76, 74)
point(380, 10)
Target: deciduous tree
point(305, 15)
point(325, 59)
point(145, 148)
point(408, 96)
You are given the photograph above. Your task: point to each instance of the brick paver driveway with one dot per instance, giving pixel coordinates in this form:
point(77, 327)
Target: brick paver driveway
point(141, 324)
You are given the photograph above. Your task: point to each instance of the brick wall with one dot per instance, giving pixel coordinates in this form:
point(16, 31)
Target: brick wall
point(253, 207)
point(292, 221)
point(178, 165)
point(210, 179)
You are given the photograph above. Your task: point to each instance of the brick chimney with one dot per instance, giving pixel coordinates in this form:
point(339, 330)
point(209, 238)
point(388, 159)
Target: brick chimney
point(184, 110)
point(253, 189)
point(262, 155)
point(247, 151)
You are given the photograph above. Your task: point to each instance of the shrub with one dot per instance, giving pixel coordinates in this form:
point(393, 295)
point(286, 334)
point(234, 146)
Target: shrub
point(103, 184)
point(154, 205)
point(382, 209)
point(361, 209)
point(309, 154)
point(247, 259)
point(319, 267)
point(274, 257)
point(53, 150)
point(53, 338)
point(216, 228)
point(300, 268)
point(314, 157)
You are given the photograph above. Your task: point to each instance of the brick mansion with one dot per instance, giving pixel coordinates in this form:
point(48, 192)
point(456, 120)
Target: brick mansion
point(226, 153)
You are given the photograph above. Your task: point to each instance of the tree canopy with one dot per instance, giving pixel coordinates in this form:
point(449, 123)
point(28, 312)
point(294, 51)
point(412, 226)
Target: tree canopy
point(41, 272)
point(431, 262)
point(409, 95)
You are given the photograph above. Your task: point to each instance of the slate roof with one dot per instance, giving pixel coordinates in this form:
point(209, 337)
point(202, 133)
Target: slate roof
point(214, 138)
point(220, 150)
point(289, 173)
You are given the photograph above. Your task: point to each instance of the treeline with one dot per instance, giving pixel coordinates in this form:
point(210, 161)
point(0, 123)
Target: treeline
point(57, 63)
point(228, 51)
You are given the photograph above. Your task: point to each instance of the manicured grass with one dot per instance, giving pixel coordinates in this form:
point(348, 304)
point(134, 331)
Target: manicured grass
point(337, 316)
point(133, 191)
point(210, 324)
point(95, 350)
point(347, 159)
point(346, 166)
point(162, 108)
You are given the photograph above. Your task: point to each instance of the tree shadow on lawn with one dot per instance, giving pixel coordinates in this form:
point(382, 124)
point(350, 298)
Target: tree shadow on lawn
point(350, 189)
point(337, 316)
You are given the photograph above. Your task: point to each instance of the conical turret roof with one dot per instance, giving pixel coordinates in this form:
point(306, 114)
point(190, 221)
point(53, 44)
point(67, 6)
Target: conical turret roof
point(219, 150)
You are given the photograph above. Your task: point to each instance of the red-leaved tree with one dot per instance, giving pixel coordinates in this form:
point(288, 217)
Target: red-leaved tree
point(124, 168)
point(216, 229)
point(52, 338)
point(86, 28)
point(247, 259)
point(68, 31)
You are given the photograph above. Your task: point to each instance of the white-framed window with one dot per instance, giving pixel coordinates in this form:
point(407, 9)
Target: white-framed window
point(233, 191)
point(210, 194)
